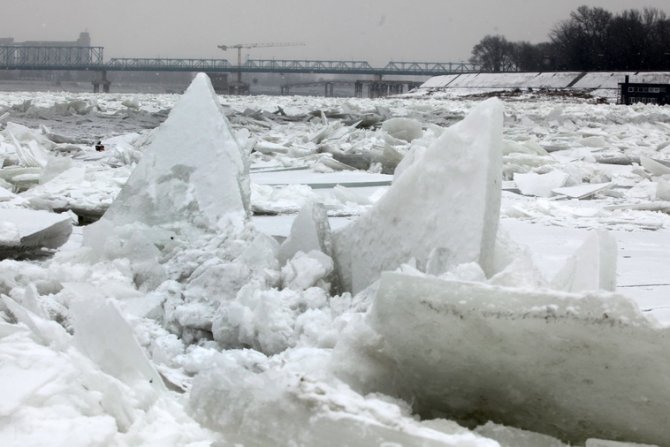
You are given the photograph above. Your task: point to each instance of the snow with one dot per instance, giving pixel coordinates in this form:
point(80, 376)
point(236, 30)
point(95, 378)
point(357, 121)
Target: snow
point(204, 324)
point(611, 80)
point(454, 187)
point(502, 80)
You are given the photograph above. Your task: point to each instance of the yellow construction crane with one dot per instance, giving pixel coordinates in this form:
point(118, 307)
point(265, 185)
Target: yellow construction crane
point(240, 46)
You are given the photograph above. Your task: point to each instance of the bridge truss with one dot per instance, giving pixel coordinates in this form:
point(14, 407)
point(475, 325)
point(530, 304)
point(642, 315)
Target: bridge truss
point(18, 57)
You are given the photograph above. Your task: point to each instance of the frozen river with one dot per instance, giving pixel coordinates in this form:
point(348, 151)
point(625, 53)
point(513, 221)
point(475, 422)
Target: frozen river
point(257, 343)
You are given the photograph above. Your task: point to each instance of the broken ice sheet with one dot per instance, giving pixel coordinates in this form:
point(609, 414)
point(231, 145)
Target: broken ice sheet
point(25, 230)
point(103, 334)
point(655, 167)
point(571, 366)
point(582, 191)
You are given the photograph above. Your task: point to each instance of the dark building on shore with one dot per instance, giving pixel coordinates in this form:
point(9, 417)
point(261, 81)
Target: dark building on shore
point(633, 93)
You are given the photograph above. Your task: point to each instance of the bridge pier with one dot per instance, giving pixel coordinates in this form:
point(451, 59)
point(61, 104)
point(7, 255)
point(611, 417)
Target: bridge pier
point(219, 82)
point(330, 89)
point(378, 89)
point(285, 90)
point(396, 89)
point(101, 81)
point(358, 89)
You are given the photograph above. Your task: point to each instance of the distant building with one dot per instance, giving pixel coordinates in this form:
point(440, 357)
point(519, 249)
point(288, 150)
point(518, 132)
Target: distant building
point(47, 52)
point(83, 41)
point(633, 93)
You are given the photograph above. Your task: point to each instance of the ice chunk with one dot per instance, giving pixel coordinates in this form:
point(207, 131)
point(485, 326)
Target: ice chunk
point(654, 166)
point(591, 267)
point(582, 191)
point(194, 169)
point(540, 185)
point(351, 195)
point(284, 407)
point(604, 443)
point(305, 270)
point(406, 129)
point(594, 141)
point(6, 195)
point(310, 231)
point(662, 191)
point(449, 198)
point(54, 167)
point(45, 331)
point(525, 147)
point(53, 395)
point(103, 334)
point(570, 366)
point(23, 230)
point(514, 437)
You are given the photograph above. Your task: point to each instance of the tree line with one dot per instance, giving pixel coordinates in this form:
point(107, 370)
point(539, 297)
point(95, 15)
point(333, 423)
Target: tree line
point(591, 39)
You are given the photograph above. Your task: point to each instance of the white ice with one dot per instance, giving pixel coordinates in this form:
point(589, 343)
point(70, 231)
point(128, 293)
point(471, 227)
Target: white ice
point(453, 189)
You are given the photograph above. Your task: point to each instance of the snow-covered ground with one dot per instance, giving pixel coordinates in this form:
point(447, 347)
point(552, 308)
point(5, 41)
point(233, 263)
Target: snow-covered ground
point(201, 311)
point(602, 85)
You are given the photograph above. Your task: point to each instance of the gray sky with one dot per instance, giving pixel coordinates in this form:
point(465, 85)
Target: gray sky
point(374, 30)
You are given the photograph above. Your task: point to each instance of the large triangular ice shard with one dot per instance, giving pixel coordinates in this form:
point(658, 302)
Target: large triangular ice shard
point(193, 171)
point(446, 201)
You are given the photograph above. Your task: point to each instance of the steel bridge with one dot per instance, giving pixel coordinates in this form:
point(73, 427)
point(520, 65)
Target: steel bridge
point(91, 59)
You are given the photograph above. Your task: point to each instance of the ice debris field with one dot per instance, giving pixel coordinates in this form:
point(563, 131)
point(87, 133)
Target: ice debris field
point(284, 271)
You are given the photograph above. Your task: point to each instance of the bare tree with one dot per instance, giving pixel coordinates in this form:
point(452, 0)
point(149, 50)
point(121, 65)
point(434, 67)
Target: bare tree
point(581, 41)
point(494, 53)
point(590, 39)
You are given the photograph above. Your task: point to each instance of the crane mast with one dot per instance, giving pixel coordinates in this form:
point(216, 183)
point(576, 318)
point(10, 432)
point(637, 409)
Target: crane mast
point(247, 46)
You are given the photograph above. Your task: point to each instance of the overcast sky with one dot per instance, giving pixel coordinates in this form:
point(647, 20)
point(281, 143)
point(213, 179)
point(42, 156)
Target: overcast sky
point(373, 30)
